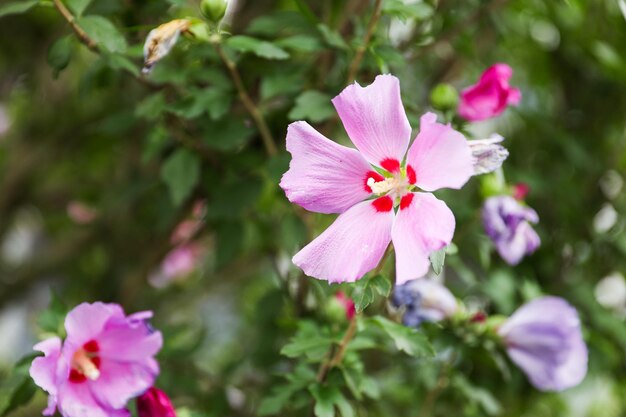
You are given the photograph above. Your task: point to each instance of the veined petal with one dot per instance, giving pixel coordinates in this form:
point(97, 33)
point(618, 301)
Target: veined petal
point(375, 119)
point(121, 381)
point(440, 156)
point(86, 321)
point(352, 246)
point(77, 400)
point(44, 370)
point(323, 176)
point(423, 225)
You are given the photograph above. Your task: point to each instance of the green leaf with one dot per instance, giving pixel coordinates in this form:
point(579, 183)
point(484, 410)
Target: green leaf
point(226, 134)
point(419, 10)
point(20, 396)
point(17, 7)
point(301, 43)
point(325, 399)
point(312, 105)
point(308, 341)
point(437, 260)
point(151, 107)
point(120, 62)
point(229, 238)
point(214, 101)
point(258, 47)
point(181, 172)
point(52, 319)
point(103, 32)
point(332, 38)
point(281, 83)
point(60, 53)
point(478, 395)
point(78, 6)
point(406, 339)
point(365, 291)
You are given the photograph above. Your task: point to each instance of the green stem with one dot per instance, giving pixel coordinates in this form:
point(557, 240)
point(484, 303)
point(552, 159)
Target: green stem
point(253, 110)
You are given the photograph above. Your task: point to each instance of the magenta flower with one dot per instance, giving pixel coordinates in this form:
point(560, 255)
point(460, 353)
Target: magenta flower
point(544, 339)
point(507, 223)
point(155, 403)
point(106, 359)
point(375, 188)
point(490, 96)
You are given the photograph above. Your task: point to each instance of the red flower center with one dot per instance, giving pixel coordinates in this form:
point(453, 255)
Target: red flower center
point(85, 363)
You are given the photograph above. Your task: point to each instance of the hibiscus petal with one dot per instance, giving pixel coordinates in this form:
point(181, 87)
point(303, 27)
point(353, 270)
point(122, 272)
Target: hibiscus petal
point(423, 226)
point(375, 119)
point(127, 343)
point(323, 176)
point(121, 381)
point(86, 321)
point(440, 156)
point(77, 400)
point(352, 246)
point(44, 369)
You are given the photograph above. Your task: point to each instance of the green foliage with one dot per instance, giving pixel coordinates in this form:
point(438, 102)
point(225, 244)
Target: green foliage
point(406, 339)
point(258, 47)
point(246, 333)
point(181, 173)
point(103, 32)
point(366, 290)
point(313, 106)
point(16, 7)
point(60, 53)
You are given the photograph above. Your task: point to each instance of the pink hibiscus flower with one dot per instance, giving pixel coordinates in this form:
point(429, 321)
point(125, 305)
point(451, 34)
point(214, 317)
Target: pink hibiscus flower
point(376, 190)
point(106, 359)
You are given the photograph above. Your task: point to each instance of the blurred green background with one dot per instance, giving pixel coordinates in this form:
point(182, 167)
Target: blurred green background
point(100, 165)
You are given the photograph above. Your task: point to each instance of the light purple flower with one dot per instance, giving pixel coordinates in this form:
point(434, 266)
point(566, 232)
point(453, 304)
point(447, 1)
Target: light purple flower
point(105, 360)
point(424, 300)
point(506, 222)
point(367, 186)
point(544, 339)
point(490, 96)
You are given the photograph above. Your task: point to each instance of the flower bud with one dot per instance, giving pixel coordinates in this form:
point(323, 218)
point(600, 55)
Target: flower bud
point(444, 97)
point(155, 403)
point(213, 10)
point(339, 308)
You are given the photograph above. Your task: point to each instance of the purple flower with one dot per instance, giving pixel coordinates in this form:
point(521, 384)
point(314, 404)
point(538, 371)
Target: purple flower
point(506, 222)
point(106, 359)
point(490, 96)
point(375, 188)
point(424, 300)
point(544, 339)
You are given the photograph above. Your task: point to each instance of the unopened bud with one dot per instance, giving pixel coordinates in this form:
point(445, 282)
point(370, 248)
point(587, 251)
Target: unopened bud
point(214, 10)
point(444, 97)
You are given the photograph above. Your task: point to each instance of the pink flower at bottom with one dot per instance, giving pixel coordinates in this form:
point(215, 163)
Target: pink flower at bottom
point(106, 359)
point(376, 192)
point(155, 403)
point(490, 96)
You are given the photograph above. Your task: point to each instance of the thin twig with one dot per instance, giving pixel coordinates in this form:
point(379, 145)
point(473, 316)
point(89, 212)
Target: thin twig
point(360, 52)
point(80, 32)
point(255, 113)
point(335, 359)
